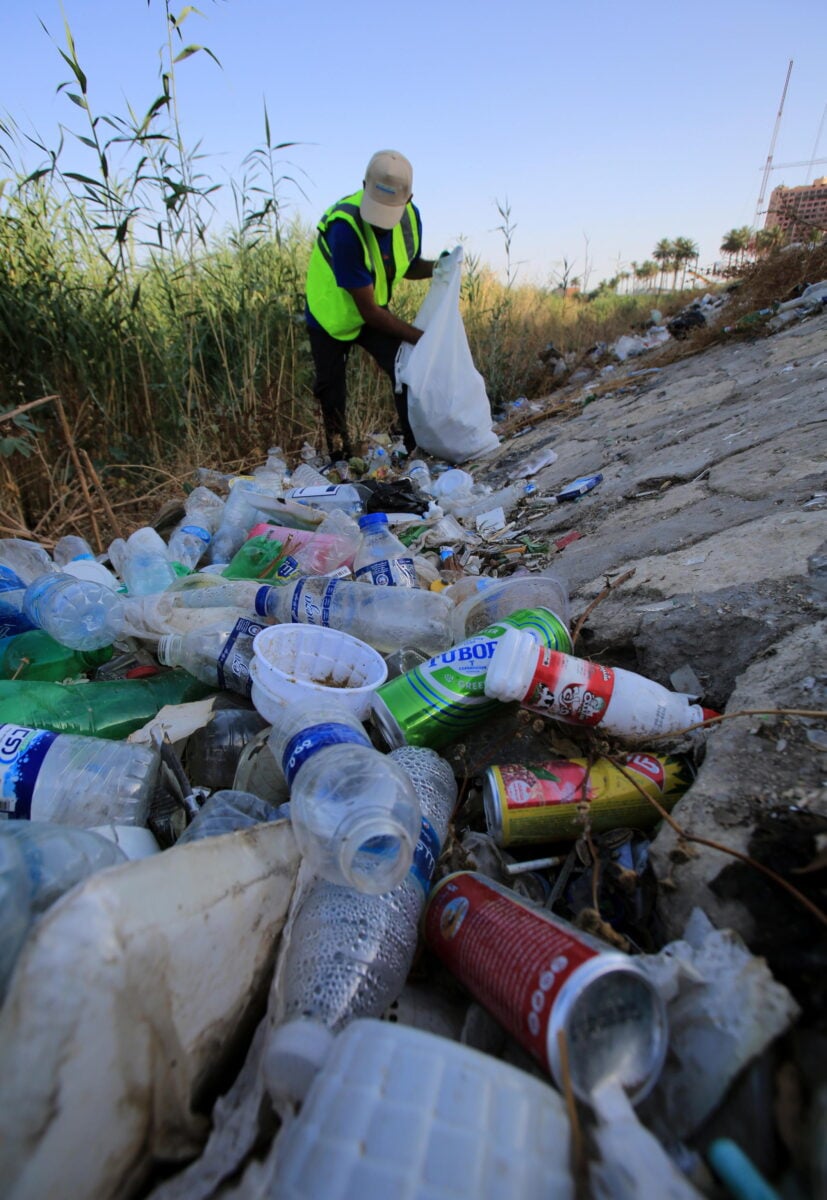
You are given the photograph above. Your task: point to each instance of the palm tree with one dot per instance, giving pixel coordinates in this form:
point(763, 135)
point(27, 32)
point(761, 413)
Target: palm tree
point(735, 243)
point(685, 250)
point(769, 239)
point(662, 255)
point(647, 270)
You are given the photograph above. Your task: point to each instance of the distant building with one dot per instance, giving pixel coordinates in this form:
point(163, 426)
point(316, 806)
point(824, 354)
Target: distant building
point(799, 210)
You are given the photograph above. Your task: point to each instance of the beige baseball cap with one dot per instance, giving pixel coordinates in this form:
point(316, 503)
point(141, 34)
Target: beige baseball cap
point(388, 188)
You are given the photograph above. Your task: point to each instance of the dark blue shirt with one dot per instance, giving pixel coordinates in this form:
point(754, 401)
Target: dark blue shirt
point(349, 259)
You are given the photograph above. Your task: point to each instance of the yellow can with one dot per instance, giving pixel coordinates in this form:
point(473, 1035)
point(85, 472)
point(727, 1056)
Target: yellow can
point(540, 802)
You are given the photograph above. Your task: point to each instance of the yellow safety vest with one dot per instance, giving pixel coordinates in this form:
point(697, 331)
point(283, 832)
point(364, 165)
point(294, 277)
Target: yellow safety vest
point(333, 306)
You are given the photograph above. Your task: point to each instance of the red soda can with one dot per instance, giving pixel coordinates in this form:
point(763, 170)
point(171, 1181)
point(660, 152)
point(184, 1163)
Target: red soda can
point(538, 974)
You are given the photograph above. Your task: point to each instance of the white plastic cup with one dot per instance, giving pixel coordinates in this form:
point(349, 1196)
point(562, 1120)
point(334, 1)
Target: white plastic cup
point(299, 662)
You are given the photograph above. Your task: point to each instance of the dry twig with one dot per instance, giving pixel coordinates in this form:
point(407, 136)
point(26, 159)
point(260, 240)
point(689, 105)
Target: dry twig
point(610, 587)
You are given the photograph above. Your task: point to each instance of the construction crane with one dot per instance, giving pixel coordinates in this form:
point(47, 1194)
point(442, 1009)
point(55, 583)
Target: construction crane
point(810, 162)
point(759, 209)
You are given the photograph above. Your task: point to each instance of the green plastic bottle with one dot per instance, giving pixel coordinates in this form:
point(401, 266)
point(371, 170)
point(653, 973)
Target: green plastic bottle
point(111, 708)
point(36, 655)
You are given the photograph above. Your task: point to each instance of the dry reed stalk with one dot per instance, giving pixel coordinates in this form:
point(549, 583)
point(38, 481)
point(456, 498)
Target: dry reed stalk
point(113, 520)
point(70, 442)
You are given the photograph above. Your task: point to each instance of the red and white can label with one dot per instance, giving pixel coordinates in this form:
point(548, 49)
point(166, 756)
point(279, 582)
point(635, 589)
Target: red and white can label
point(511, 958)
point(571, 689)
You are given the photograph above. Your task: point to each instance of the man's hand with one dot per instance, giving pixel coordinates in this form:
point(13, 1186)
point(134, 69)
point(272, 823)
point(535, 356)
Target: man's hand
point(442, 266)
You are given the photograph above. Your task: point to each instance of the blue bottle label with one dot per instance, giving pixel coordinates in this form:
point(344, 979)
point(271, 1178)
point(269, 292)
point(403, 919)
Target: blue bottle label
point(234, 659)
point(197, 531)
point(304, 609)
point(12, 619)
point(307, 742)
point(425, 856)
point(21, 756)
point(381, 572)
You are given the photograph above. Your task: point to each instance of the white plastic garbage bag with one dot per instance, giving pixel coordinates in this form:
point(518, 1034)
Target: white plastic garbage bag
point(448, 406)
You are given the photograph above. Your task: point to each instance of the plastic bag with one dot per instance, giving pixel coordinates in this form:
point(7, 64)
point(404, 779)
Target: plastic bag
point(448, 408)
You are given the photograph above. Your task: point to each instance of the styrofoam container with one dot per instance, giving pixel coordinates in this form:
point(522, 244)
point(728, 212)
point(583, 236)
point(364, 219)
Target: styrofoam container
point(299, 662)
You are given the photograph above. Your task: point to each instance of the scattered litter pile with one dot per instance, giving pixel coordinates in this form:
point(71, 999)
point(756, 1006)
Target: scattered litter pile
point(329, 860)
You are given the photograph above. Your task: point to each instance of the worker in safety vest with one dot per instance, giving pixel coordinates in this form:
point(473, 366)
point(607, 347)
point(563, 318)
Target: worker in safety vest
point(365, 243)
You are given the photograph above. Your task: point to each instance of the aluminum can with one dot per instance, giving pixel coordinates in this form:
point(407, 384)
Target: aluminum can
point(542, 802)
point(539, 975)
point(438, 701)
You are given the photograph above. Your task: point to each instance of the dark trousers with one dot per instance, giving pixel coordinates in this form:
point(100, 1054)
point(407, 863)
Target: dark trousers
point(330, 387)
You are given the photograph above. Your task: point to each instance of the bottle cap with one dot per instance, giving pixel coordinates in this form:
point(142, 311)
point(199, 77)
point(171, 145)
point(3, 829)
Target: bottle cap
point(294, 1056)
point(373, 520)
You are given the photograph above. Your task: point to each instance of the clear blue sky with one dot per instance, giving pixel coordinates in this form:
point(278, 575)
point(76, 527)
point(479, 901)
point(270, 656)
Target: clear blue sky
point(620, 123)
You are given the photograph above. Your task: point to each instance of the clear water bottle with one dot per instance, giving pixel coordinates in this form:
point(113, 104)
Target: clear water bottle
point(142, 562)
point(507, 498)
point(78, 613)
point(225, 812)
point(329, 496)
point(13, 619)
point(349, 954)
point(420, 477)
point(354, 811)
point(71, 547)
point(378, 463)
point(59, 856)
point(239, 516)
point(410, 617)
point(190, 540)
point(74, 780)
point(381, 558)
point(274, 470)
point(26, 559)
point(217, 655)
point(305, 476)
point(212, 752)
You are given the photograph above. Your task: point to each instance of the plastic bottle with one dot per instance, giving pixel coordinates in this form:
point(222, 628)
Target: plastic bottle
point(71, 547)
point(13, 619)
point(36, 655)
point(355, 813)
point(38, 863)
point(381, 558)
point(217, 655)
point(412, 617)
point(190, 540)
point(274, 470)
point(212, 752)
point(305, 476)
point(59, 856)
point(105, 708)
point(420, 477)
point(78, 613)
point(71, 780)
point(378, 463)
point(506, 498)
point(239, 515)
point(142, 562)
point(578, 692)
point(349, 953)
point(333, 545)
point(333, 495)
point(225, 812)
point(26, 559)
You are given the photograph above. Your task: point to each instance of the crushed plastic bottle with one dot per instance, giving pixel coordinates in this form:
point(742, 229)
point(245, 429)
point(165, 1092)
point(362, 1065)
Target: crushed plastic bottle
point(212, 752)
point(142, 562)
point(78, 613)
point(227, 811)
point(27, 560)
